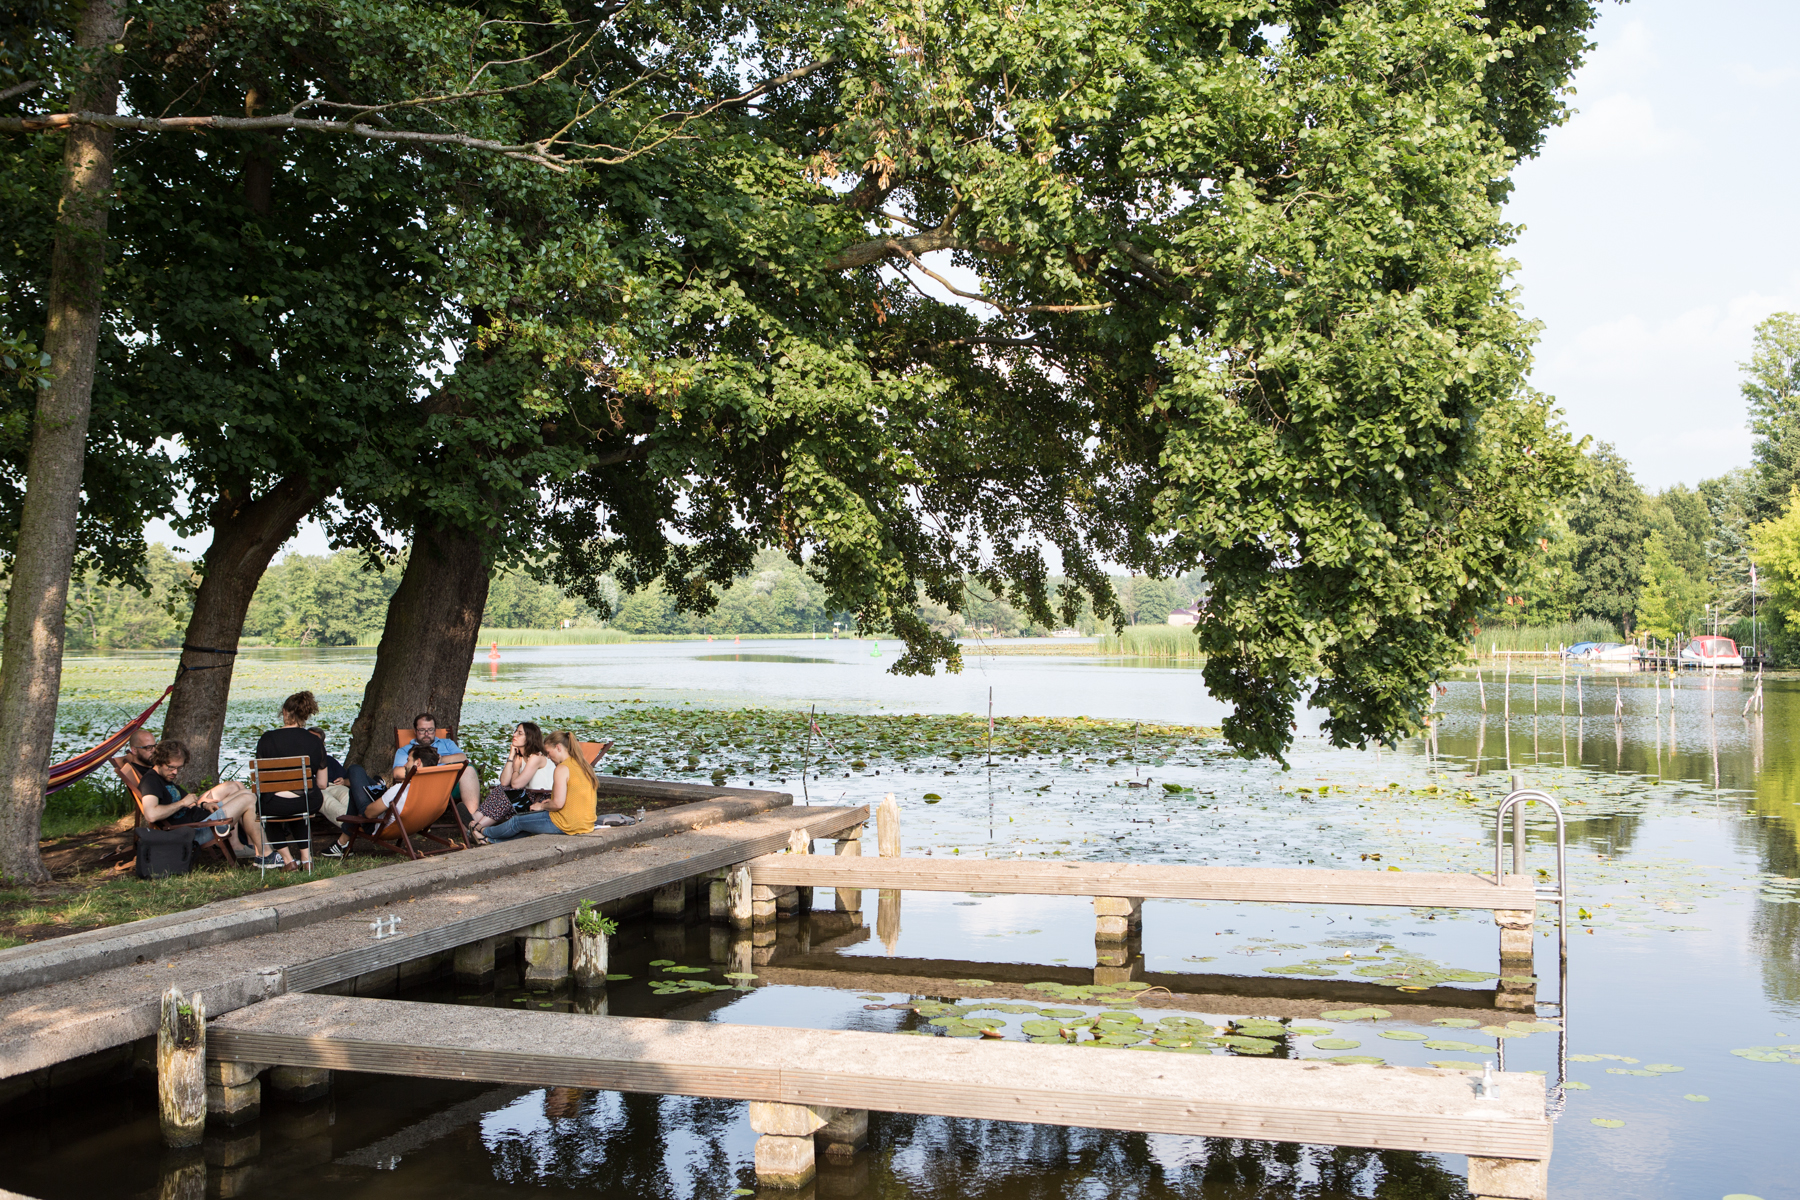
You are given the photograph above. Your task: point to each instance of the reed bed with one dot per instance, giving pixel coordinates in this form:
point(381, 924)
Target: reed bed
point(552, 637)
point(1538, 637)
point(1152, 641)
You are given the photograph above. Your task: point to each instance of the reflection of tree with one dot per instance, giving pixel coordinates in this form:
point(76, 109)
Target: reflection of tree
point(620, 1144)
point(986, 1160)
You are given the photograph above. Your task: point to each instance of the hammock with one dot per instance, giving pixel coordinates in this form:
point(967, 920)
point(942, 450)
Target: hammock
point(86, 763)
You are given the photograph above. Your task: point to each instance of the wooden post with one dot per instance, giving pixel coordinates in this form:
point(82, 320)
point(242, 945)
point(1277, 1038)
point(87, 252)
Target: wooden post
point(740, 888)
point(181, 1069)
point(590, 960)
point(800, 842)
point(887, 827)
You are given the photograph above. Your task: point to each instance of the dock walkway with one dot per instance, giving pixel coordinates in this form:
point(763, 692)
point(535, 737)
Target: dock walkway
point(1146, 881)
point(319, 935)
point(1391, 1108)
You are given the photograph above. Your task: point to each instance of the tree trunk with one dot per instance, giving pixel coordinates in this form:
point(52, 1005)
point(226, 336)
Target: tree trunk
point(32, 645)
point(245, 538)
point(427, 644)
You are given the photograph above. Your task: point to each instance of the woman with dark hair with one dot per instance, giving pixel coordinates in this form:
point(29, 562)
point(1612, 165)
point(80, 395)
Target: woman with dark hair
point(293, 740)
point(573, 798)
point(525, 779)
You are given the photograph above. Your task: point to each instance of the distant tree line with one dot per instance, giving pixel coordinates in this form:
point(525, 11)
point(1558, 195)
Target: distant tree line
point(1678, 562)
point(341, 599)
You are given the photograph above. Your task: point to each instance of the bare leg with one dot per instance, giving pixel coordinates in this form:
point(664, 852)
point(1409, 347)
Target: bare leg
point(241, 808)
point(469, 783)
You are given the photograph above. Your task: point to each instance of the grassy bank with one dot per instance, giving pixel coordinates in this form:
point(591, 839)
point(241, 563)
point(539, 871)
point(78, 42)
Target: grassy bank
point(550, 637)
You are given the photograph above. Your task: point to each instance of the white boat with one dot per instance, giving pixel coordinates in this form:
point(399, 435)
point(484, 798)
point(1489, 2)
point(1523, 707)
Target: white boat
point(1712, 651)
point(1614, 652)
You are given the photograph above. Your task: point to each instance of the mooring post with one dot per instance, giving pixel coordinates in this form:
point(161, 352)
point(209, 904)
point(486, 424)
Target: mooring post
point(544, 954)
point(181, 1068)
point(1509, 1179)
point(887, 827)
point(590, 959)
point(849, 844)
point(800, 842)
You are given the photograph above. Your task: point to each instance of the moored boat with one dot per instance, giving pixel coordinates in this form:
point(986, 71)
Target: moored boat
point(1712, 651)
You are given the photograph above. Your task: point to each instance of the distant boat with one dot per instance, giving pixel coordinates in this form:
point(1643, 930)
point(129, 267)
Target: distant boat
point(1712, 652)
point(1603, 652)
point(1065, 633)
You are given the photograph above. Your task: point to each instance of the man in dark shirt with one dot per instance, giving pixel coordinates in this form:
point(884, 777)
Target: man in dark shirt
point(164, 802)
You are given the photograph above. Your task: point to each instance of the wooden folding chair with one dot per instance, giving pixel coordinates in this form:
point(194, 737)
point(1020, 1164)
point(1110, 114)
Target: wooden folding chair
point(594, 751)
point(428, 794)
point(271, 775)
point(128, 775)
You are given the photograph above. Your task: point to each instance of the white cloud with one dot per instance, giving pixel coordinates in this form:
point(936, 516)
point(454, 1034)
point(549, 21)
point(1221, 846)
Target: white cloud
point(1620, 125)
point(1755, 77)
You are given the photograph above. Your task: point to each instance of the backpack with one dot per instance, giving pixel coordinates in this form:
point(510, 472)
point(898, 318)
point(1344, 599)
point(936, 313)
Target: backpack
point(165, 852)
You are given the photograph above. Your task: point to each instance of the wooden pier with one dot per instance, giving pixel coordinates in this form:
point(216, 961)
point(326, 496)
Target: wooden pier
point(810, 1081)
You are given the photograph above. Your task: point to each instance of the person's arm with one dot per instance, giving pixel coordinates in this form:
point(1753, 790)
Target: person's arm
point(158, 806)
point(559, 791)
point(514, 763)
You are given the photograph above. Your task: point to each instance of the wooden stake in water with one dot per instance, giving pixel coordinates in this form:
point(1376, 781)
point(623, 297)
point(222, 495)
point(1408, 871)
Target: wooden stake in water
point(1618, 701)
point(1482, 686)
point(1506, 699)
point(1580, 706)
point(181, 1069)
point(990, 746)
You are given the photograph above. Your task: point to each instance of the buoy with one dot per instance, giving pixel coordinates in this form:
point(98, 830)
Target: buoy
point(494, 651)
point(876, 652)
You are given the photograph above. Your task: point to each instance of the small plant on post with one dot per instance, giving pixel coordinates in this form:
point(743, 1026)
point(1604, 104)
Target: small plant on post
point(591, 931)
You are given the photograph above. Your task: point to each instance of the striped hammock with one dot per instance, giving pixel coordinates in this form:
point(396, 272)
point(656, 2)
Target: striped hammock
point(87, 762)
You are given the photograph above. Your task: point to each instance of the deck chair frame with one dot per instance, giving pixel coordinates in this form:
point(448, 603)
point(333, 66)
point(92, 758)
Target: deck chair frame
point(595, 751)
point(294, 774)
point(219, 825)
point(374, 829)
point(404, 737)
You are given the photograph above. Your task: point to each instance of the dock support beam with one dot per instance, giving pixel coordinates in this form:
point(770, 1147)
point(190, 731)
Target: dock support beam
point(671, 900)
point(850, 846)
point(1116, 918)
point(299, 1084)
point(474, 962)
point(1517, 990)
point(181, 1069)
point(785, 1151)
point(544, 954)
point(233, 1093)
point(1509, 1179)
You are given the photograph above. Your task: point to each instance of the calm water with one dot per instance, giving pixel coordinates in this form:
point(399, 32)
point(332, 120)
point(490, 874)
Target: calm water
point(1683, 861)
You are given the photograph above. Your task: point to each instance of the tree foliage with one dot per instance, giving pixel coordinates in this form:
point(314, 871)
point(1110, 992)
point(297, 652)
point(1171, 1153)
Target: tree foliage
point(1771, 386)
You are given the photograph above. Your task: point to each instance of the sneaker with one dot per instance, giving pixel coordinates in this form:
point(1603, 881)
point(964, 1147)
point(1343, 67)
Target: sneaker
point(268, 862)
point(336, 850)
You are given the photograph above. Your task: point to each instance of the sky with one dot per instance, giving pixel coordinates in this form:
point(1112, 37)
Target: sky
point(1659, 225)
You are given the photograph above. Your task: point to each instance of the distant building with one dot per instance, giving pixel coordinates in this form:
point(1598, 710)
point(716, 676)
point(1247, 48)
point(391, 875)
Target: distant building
point(1185, 616)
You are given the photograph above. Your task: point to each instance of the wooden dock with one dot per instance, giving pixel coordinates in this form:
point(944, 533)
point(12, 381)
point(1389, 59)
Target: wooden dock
point(1146, 881)
point(1390, 1108)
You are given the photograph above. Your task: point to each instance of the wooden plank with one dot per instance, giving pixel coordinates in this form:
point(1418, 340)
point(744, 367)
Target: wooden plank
point(1395, 1108)
point(376, 955)
point(1161, 881)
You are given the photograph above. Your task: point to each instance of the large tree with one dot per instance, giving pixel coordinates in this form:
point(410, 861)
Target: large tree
point(1771, 387)
point(1610, 520)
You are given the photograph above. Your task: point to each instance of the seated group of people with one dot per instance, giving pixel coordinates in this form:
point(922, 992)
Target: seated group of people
point(546, 786)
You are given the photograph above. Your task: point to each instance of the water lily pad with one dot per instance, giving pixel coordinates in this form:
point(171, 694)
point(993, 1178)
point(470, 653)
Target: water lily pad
point(1357, 1060)
point(1584, 1058)
point(1120, 1038)
point(1607, 1123)
point(1046, 1039)
point(1336, 1044)
point(1629, 1071)
point(1662, 1068)
point(1402, 1035)
point(1455, 1047)
point(662, 962)
point(975, 982)
point(1576, 1085)
point(1061, 1012)
point(616, 978)
point(1452, 1064)
point(1455, 1022)
point(1503, 1031)
point(932, 796)
point(862, 997)
point(1755, 1055)
point(1696, 1097)
point(1310, 1030)
point(687, 970)
point(1356, 1014)
point(738, 975)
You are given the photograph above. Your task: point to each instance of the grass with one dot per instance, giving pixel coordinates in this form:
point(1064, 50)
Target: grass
point(1537, 637)
point(107, 897)
point(98, 800)
point(1152, 641)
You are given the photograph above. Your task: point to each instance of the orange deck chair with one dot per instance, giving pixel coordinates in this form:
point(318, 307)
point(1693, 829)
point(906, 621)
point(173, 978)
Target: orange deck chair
point(128, 775)
point(595, 751)
point(428, 794)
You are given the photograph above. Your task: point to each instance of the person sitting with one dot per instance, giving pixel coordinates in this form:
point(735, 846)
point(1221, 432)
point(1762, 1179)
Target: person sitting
point(468, 784)
point(334, 770)
point(293, 740)
point(138, 752)
point(526, 777)
point(165, 804)
point(570, 807)
point(393, 799)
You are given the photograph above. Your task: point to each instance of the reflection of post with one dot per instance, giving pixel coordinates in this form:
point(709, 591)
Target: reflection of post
point(849, 845)
point(887, 918)
point(1480, 742)
point(183, 1177)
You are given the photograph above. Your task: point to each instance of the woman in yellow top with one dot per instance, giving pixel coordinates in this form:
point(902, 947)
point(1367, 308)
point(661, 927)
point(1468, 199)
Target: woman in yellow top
point(570, 808)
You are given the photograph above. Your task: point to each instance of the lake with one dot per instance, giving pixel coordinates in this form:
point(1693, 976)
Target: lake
point(1684, 961)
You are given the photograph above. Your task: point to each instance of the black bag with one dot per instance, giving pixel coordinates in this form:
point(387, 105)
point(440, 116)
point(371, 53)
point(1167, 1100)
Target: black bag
point(165, 852)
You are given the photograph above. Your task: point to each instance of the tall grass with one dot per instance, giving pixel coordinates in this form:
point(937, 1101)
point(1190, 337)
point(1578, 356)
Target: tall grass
point(1152, 641)
point(1537, 637)
point(551, 637)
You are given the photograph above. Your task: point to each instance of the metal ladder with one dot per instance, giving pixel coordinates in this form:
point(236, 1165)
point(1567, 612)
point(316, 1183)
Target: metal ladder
point(1557, 893)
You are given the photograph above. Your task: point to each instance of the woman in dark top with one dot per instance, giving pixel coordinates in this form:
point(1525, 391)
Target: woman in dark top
point(292, 740)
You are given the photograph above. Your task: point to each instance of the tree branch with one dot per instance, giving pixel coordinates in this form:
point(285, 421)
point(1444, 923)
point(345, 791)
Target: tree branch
point(537, 152)
point(19, 89)
point(866, 253)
